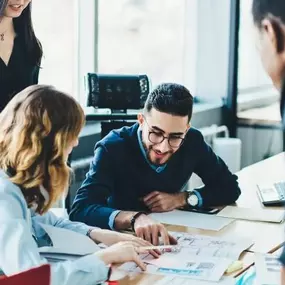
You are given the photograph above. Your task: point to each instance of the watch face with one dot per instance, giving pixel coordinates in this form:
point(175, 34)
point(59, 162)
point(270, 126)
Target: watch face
point(193, 200)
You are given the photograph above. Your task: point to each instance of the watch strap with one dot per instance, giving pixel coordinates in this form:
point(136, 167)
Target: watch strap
point(134, 217)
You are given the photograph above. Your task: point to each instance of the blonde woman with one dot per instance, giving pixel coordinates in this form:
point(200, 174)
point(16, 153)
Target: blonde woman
point(38, 129)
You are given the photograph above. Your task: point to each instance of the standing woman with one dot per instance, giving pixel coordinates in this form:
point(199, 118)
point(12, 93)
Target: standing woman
point(269, 22)
point(20, 50)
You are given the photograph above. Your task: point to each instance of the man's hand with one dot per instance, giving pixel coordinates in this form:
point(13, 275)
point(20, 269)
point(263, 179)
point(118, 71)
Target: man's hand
point(150, 230)
point(163, 202)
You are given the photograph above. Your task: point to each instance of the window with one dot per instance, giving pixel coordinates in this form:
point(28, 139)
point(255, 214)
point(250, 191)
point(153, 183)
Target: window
point(143, 37)
point(55, 24)
point(251, 75)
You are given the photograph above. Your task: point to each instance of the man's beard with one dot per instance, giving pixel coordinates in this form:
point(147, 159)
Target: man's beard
point(157, 161)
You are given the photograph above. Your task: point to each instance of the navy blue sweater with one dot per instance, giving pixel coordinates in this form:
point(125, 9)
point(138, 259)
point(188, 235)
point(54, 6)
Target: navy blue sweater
point(119, 176)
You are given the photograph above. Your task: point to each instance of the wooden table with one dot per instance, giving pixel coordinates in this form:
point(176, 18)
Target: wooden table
point(267, 237)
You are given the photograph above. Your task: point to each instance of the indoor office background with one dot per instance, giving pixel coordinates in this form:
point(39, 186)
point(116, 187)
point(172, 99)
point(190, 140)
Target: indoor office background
point(206, 45)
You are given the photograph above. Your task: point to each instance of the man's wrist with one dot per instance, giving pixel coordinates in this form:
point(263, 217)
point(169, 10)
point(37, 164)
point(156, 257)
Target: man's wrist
point(135, 217)
point(182, 199)
point(123, 220)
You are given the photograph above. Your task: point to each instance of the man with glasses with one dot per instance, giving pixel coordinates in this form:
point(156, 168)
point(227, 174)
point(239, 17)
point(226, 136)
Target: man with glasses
point(144, 168)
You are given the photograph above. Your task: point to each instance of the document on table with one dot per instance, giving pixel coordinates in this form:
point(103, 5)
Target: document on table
point(192, 220)
point(191, 267)
point(185, 281)
point(268, 269)
point(203, 245)
point(199, 257)
point(66, 244)
point(262, 215)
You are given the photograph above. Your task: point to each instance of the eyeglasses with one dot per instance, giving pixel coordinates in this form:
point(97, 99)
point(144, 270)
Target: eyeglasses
point(158, 137)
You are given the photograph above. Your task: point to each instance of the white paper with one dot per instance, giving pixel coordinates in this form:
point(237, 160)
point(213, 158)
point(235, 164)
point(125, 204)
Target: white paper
point(263, 215)
point(192, 220)
point(184, 281)
point(66, 242)
point(268, 269)
point(200, 257)
point(191, 267)
point(209, 246)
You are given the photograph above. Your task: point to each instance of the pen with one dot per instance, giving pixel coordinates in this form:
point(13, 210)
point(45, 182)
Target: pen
point(161, 247)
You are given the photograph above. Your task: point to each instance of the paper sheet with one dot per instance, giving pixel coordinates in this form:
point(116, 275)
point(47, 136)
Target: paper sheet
point(183, 281)
point(203, 245)
point(267, 269)
point(66, 242)
point(192, 220)
point(200, 257)
point(263, 215)
point(193, 267)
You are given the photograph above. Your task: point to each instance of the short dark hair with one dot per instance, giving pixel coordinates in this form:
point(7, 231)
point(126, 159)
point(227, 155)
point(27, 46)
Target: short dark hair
point(170, 98)
point(262, 8)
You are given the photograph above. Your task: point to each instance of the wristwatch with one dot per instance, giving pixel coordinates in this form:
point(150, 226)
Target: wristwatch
point(192, 199)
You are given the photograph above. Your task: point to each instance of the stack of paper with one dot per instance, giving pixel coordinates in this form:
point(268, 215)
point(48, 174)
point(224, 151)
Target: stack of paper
point(263, 215)
point(192, 220)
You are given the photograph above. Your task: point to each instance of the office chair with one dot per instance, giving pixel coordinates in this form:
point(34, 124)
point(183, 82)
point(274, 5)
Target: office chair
point(116, 92)
point(36, 276)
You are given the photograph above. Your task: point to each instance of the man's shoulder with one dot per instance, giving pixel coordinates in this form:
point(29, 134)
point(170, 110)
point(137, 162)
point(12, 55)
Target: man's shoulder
point(194, 135)
point(119, 138)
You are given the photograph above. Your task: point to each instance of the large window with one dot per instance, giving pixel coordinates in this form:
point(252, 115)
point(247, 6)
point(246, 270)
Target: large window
point(55, 24)
point(251, 75)
point(144, 37)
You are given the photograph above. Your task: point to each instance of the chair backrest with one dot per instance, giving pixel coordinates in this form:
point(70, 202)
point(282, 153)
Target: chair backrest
point(35, 276)
point(116, 92)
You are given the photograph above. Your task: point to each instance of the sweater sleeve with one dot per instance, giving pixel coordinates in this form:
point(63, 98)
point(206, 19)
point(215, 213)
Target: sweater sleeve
point(90, 203)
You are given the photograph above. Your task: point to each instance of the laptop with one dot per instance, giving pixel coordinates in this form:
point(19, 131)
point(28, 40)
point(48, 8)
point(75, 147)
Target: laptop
point(272, 194)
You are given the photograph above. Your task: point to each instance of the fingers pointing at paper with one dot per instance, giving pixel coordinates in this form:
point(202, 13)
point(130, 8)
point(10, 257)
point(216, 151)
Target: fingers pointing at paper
point(122, 252)
point(150, 230)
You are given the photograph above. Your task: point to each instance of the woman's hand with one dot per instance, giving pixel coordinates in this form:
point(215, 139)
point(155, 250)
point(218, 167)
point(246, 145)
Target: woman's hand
point(111, 237)
point(122, 252)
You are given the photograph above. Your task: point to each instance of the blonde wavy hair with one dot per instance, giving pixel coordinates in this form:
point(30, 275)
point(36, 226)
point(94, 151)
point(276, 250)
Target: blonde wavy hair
point(36, 128)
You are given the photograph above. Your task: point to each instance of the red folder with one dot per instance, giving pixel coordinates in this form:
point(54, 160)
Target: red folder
point(35, 276)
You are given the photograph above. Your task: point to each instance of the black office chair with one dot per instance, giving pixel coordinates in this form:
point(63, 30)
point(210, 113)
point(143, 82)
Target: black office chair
point(116, 92)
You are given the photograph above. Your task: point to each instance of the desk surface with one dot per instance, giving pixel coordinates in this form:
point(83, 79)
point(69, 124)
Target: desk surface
point(268, 116)
point(267, 237)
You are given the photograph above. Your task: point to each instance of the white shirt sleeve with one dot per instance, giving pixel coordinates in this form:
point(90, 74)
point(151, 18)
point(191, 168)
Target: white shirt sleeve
point(18, 249)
